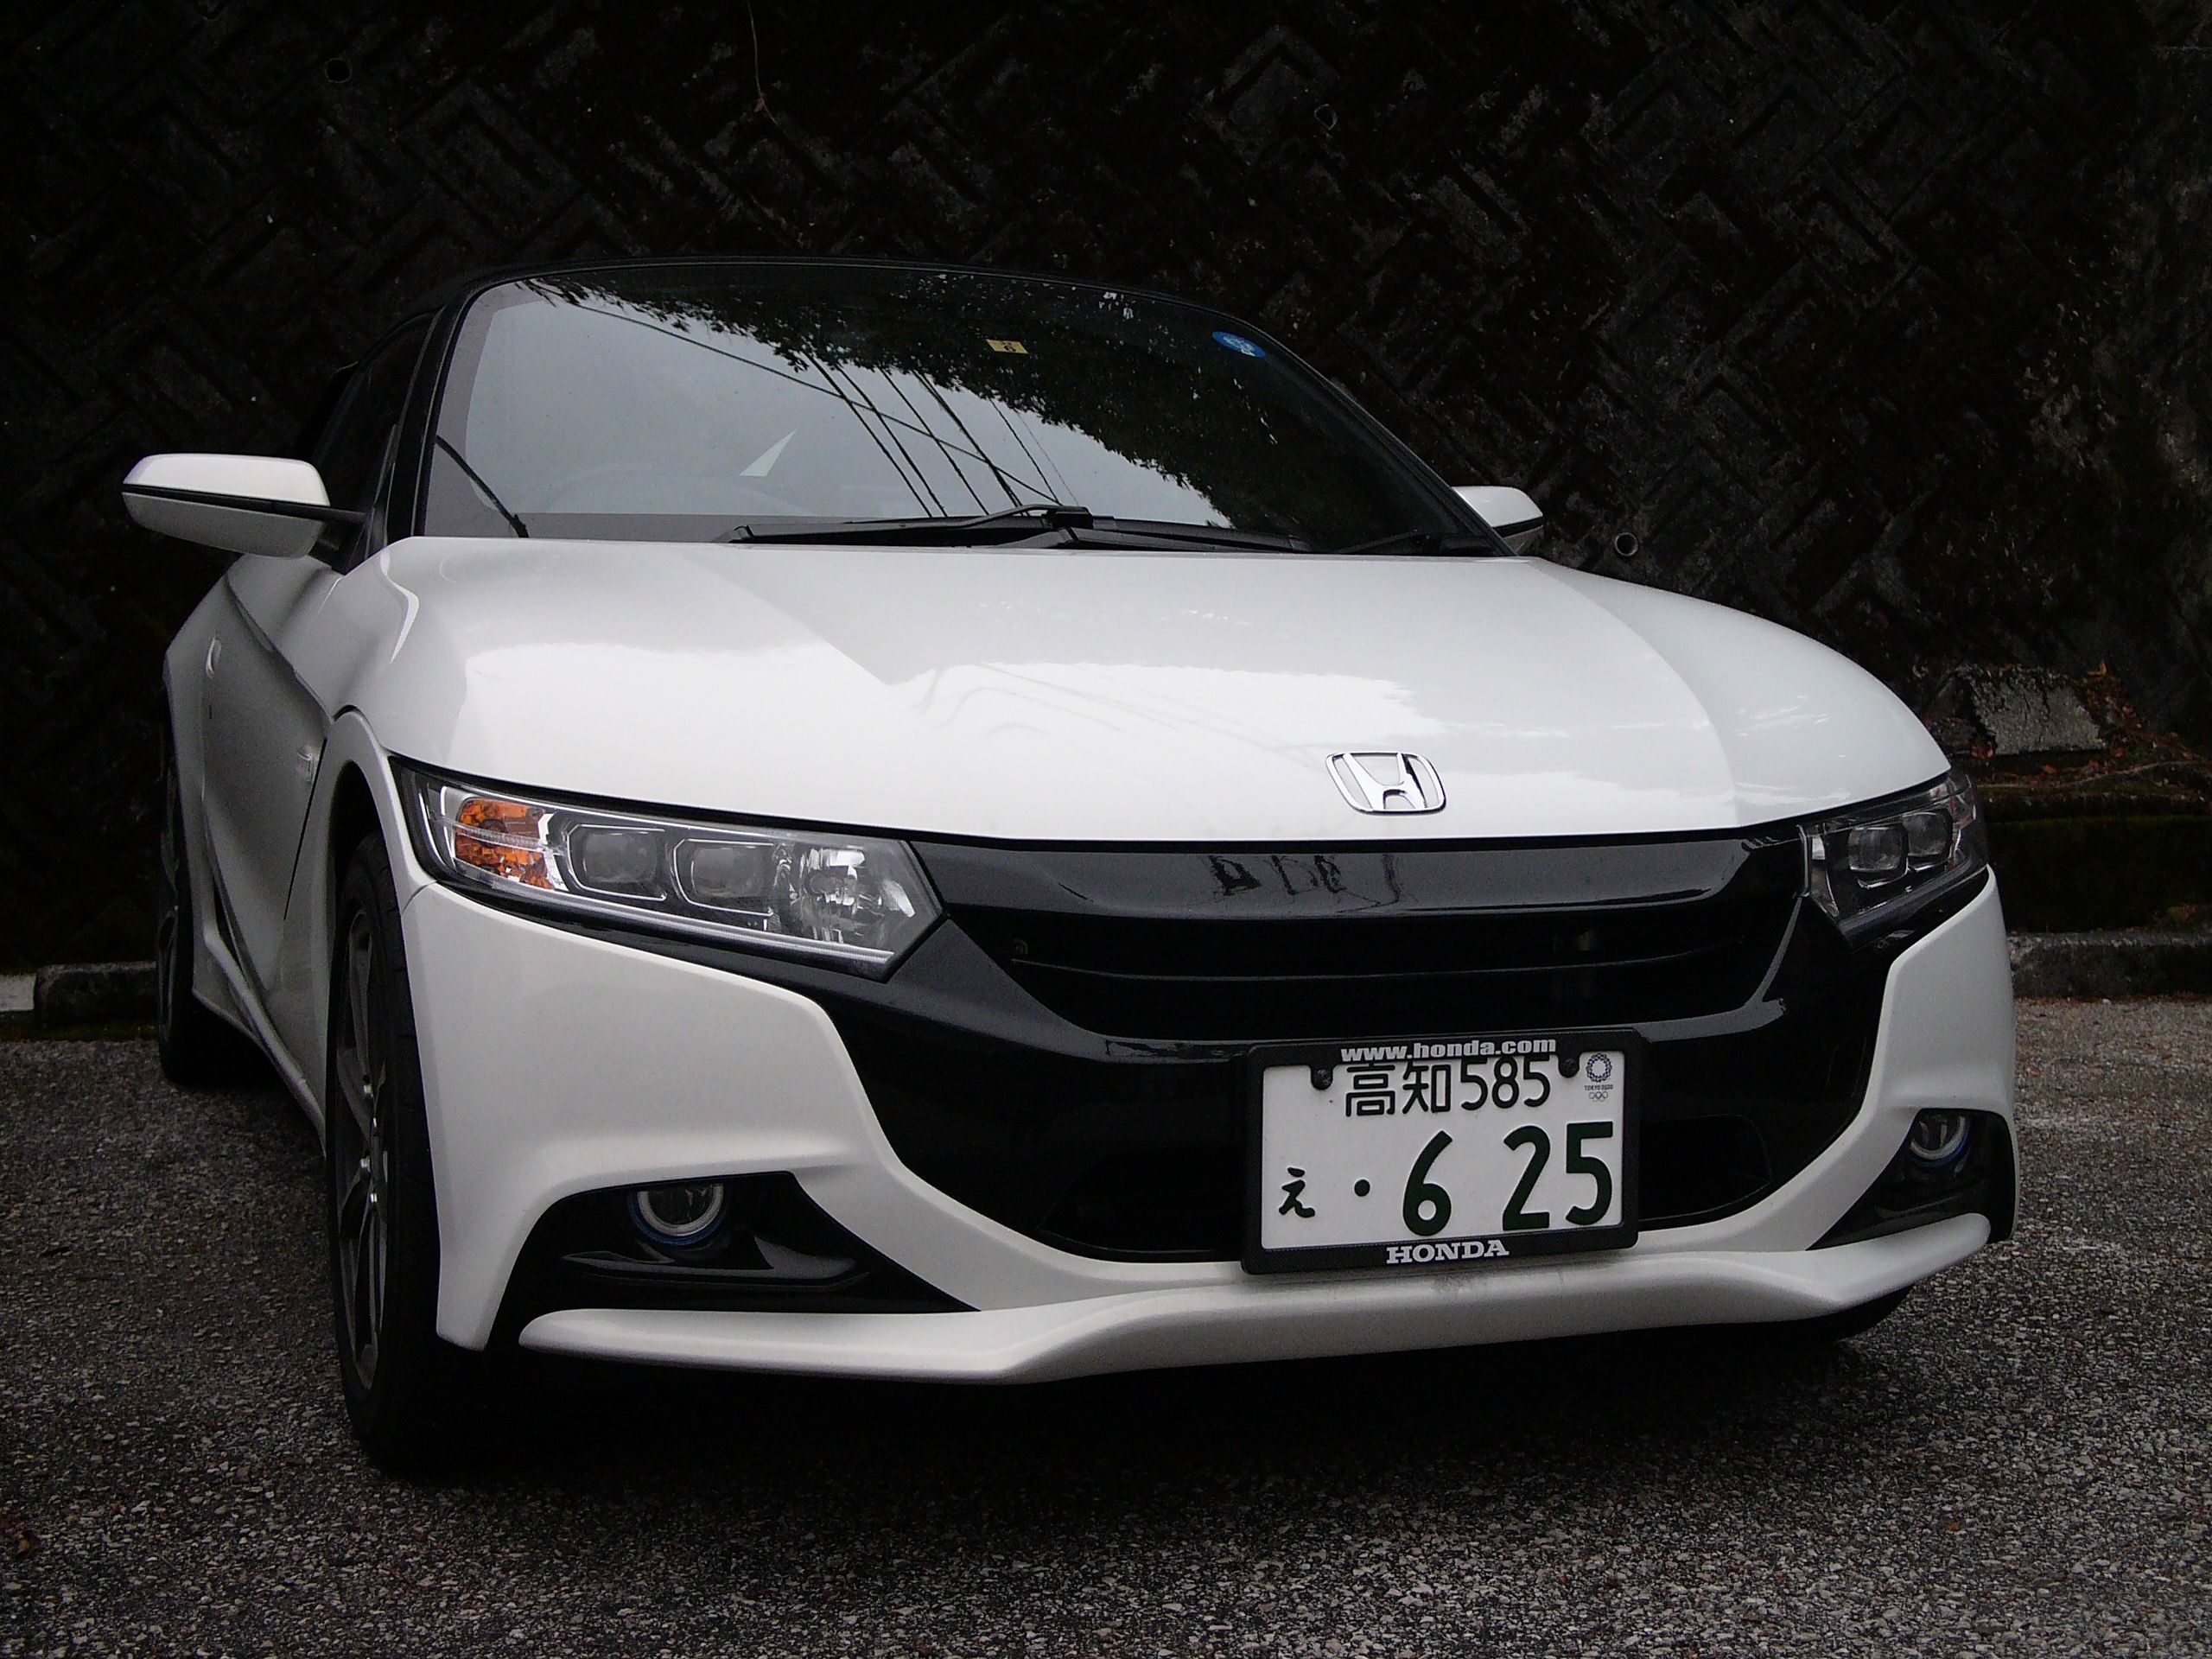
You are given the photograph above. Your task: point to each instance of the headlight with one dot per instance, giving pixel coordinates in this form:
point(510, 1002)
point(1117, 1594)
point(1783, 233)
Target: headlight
point(1870, 865)
point(847, 901)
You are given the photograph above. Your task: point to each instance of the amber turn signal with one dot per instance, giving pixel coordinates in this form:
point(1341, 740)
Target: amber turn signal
point(504, 838)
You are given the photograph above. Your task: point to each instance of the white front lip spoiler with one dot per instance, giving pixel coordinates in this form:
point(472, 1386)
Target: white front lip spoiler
point(1214, 1325)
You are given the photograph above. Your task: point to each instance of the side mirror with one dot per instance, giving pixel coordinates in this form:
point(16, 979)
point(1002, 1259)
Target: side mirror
point(245, 504)
point(1510, 512)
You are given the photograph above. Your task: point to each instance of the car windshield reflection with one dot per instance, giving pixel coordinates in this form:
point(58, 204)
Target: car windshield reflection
point(762, 402)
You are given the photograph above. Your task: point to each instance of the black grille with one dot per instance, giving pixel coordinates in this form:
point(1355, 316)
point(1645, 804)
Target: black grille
point(1122, 1147)
point(1067, 1056)
point(1120, 1132)
point(1277, 981)
point(1188, 1201)
point(1257, 965)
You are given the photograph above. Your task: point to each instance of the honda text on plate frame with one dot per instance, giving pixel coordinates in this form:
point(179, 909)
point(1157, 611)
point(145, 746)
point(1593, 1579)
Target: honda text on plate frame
point(887, 820)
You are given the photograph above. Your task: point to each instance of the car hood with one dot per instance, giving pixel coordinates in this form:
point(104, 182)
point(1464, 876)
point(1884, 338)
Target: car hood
point(1111, 695)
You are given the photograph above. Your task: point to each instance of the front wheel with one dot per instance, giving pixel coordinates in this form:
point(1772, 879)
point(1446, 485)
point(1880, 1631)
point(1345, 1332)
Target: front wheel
point(403, 1383)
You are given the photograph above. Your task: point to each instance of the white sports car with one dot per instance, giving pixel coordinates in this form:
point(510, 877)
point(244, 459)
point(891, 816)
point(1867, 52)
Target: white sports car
point(928, 822)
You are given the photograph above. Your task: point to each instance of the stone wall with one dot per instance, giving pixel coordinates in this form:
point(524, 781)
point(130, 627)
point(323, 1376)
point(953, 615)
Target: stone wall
point(1887, 321)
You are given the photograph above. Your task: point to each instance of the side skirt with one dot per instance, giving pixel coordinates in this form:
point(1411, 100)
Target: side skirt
point(258, 1026)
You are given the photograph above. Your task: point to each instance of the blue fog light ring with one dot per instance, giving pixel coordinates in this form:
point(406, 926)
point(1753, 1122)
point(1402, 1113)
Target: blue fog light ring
point(1948, 1149)
point(656, 1230)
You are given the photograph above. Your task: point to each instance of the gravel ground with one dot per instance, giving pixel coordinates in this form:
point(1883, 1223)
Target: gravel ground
point(2019, 1461)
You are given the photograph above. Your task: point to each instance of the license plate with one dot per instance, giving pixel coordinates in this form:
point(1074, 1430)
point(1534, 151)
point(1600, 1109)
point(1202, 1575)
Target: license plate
point(1413, 1153)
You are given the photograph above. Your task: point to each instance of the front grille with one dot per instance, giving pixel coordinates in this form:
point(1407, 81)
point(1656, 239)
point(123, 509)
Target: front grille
point(1189, 1201)
point(1279, 981)
point(1135, 1150)
point(1186, 1202)
point(1383, 944)
point(1067, 1054)
point(1020, 1062)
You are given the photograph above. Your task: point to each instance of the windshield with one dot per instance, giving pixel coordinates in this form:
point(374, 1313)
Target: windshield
point(736, 402)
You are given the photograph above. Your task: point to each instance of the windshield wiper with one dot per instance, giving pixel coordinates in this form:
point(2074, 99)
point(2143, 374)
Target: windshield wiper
point(1079, 525)
point(1167, 532)
point(1428, 541)
point(1047, 514)
point(491, 496)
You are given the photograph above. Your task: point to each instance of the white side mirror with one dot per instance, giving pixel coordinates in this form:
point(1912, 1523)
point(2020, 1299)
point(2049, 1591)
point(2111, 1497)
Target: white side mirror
point(245, 504)
point(1510, 512)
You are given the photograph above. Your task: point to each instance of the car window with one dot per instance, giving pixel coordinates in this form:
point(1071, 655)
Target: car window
point(357, 441)
point(682, 402)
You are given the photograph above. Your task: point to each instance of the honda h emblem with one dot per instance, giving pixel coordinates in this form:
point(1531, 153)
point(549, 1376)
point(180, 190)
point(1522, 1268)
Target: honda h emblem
point(1387, 781)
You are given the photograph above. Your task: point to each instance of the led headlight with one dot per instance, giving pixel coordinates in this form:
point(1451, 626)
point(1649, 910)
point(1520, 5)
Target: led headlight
point(849, 901)
point(1869, 866)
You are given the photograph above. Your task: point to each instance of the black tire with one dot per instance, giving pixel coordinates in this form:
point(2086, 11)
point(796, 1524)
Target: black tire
point(405, 1389)
point(198, 1047)
point(1831, 1328)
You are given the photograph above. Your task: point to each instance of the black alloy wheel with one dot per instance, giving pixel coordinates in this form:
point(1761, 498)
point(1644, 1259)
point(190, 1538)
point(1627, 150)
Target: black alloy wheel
point(360, 1151)
point(405, 1388)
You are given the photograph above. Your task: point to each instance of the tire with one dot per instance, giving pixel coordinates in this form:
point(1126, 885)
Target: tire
point(198, 1047)
point(1830, 1328)
point(405, 1389)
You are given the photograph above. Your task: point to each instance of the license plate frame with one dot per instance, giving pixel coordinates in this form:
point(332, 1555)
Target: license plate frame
point(1464, 1248)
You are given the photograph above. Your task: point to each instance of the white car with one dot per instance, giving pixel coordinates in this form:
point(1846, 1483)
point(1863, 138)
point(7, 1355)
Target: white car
point(924, 822)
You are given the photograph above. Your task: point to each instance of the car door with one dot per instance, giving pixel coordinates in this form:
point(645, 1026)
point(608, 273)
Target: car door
point(265, 730)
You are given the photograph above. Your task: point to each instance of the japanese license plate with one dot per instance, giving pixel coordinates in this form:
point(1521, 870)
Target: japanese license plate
point(1408, 1154)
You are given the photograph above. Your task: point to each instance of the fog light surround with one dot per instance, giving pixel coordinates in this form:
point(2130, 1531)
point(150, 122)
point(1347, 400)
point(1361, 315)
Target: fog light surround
point(1952, 1163)
point(680, 1217)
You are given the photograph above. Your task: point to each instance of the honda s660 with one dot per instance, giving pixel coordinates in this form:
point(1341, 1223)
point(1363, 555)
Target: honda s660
point(927, 823)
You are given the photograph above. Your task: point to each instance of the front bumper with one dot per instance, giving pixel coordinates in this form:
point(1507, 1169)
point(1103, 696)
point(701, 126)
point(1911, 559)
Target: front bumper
point(1217, 1323)
point(557, 1064)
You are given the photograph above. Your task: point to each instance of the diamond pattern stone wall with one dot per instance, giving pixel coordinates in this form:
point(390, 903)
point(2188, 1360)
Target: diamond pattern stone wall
point(1888, 321)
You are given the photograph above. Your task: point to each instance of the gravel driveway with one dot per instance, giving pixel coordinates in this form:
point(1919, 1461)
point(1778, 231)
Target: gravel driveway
point(2018, 1461)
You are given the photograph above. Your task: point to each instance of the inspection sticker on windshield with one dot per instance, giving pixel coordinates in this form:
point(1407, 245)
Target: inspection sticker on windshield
point(1013, 345)
point(1238, 343)
point(1416, 1153)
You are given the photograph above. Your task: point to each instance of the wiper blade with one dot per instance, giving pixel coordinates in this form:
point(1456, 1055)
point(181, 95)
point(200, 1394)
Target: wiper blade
point(491, 496)
point(1166, 532)
point(1428, 541)
point(1048, 515)
point(1077, 524)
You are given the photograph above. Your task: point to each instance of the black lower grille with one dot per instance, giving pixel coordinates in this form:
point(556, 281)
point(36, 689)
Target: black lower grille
point(1122, 1149)
point(1189, 1201)
point(1186, 1202)
point(1693, 1168)
point(1038, 1072)
point(1023, 1062)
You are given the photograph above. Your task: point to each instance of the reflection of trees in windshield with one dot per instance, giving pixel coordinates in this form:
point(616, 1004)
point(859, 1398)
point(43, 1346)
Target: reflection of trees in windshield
point(1142, 380)
point(896, 419)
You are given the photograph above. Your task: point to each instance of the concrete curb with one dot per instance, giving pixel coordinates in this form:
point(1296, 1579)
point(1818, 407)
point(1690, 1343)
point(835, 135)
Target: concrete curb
point(93, 994)
point(16, 995)
point(2151, 962)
